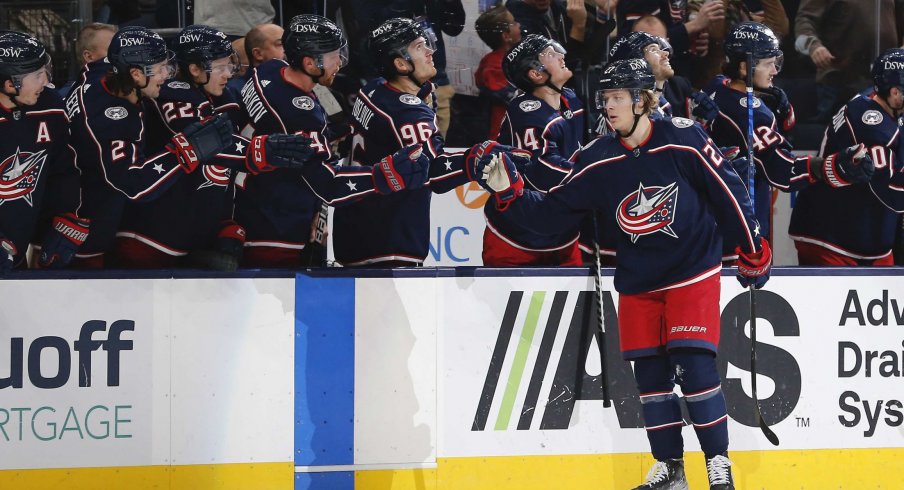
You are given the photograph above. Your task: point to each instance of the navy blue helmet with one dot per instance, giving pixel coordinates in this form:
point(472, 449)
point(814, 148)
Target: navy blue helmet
point(888, 70)
point(201, 45)
point(391, 39)
point(753, 38)
point(525, 56)
point(21, 54)
point(136, 46)
point(631, 74)
point(633, 44)
point(313, 36)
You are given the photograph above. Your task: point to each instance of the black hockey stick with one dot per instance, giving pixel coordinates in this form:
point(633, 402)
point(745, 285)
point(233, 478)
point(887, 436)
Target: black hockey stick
point(750, 177)
point(601, 314)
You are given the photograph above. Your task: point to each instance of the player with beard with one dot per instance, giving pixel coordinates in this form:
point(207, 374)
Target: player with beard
point(36, 161)
point(278, 209)
point(108, 133)
point(673, 198)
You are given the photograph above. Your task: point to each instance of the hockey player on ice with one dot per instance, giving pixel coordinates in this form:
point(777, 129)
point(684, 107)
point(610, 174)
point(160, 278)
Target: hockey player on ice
point(674, 197)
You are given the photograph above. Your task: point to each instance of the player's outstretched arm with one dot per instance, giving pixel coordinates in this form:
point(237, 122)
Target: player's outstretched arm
point(852, 165)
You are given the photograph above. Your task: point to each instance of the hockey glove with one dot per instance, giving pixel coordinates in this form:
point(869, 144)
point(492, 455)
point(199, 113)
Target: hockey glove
point(852, 165)
point(753, 268)
point(501, 178)
point(226, 253)
point(407, 168)
point(704, 108)
point(7, 255)
point(269, 152)
point(68, 232)
point(777, 101)
point(201, 141)
point(480, 155)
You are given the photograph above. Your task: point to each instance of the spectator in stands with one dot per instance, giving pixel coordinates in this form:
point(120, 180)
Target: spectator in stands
point(262, 43)
point(688, 36)
point(564, 21)
point(90, 49)
point(500, 31)
point(839, 36)
point(771, 13)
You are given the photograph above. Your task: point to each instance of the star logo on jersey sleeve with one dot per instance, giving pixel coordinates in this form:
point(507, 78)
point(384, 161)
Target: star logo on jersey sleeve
point(352, 186)
point(448, 164)
point(239, 146)
point(648, 210)
point(158, 168)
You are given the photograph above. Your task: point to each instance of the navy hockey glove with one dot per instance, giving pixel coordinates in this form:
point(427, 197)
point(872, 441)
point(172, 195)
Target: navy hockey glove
point(7, 255)
point(201, 141)
point(68, 232)
point(704, 108)
point(852, 165)
point(753, 268)
point(269, 152)
point(407, 168)
point(501, 178)
point(777, 101)
point(480, 155)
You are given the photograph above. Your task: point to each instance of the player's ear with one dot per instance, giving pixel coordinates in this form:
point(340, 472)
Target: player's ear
point(535, 75)
point(401, 65)
point(8, 86)
point(195, 71)
point(137, 75)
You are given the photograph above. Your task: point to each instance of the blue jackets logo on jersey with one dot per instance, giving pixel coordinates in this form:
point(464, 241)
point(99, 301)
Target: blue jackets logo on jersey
point(529, 105)
point(304, 102)
point(410, 99)
point(648, 210)
point(116, 113)
point(756, 102)
point(19, 174)
point(872, 118)
point(215, 175)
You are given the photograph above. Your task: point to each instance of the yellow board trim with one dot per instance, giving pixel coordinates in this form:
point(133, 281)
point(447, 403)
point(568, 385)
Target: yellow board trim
point(854, 469)
point(242, 476)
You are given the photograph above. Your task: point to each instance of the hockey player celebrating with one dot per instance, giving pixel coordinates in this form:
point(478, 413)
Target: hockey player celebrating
point(656, 51)
point(668, 186)
point(36, 161)
point(161, 233)
point(546, 119)
point(390, 115)
point(843, 223)
point(108, 133)
point(776, 166)
point(277, 208)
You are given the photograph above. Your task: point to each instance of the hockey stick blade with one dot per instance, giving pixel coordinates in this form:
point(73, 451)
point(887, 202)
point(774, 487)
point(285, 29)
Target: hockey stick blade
point(764, 427)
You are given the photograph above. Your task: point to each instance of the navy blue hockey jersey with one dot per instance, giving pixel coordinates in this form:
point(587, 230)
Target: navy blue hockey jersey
point(108, 134)
point(666, 197)
point(776, 166)
point(859, 220)
point(190, 213)
point(36, 166)
point(394, 227)
point(276, 208)
point(554, 138)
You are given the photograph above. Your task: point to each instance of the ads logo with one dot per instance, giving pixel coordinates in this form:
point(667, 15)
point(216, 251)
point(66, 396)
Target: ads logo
point(571, 379)
point(471, 195)
point(84, 347)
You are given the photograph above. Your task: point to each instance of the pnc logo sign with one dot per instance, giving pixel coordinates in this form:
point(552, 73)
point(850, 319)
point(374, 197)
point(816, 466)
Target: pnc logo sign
point(471, 195)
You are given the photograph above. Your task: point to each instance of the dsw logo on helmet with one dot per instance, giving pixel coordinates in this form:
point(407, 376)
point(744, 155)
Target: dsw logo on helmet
point(305, 28)
point(131, 41)
point(11, 52)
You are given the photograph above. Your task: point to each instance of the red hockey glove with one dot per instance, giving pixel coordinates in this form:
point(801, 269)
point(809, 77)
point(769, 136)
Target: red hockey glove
point(753, 268)
point(226, 252)
point(407, 168)
point(852, 165)
point(269, 152)
point(68, 233)
point(480, 155)
point(501, 178)
point(201, 141)
point(7, 255)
